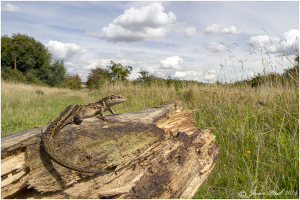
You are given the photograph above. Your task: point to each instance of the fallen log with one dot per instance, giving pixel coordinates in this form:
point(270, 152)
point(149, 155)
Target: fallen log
point(157, 153)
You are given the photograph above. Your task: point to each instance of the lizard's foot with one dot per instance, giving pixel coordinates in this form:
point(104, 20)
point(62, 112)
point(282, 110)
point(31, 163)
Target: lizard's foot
point(78, 121)
point(105, 119)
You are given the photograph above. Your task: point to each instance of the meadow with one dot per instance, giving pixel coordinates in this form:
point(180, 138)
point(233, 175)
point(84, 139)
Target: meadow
point(257, 128)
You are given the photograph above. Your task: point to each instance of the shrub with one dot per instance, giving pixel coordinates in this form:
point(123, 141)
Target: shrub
point(72, 81)
point(97, 77)
point(14, 75)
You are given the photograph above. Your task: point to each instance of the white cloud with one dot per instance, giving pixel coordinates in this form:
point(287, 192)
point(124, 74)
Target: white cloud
point(262, 40)
point(215, 47)
point(180, 74)
point(287, 42)
point(190, 31)
point(148, 16)
point(212, 29)
point(116, 33)
point(10, 8)
point(182, 27)
point(210, 77)
point(231, 30)
point(187, 75)
point(64, 50)
point(139, 25)
point(216, 29)
point(93, 62)
point(171, 63)
point(97, 62)
point(248, 76)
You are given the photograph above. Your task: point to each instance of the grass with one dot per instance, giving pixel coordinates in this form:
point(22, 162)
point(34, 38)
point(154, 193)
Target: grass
point(258, 133)
point(257, 128)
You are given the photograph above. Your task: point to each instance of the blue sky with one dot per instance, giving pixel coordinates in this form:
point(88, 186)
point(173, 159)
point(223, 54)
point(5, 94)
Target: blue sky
point(185, 40)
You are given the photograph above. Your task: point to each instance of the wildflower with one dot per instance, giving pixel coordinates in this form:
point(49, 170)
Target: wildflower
point(248, 152)
point(245, 154)
point(212, 121)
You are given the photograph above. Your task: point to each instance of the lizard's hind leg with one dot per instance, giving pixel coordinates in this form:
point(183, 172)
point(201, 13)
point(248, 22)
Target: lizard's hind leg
point(77, 119)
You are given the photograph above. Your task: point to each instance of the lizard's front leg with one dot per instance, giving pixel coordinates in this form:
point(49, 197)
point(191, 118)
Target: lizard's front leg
point(113, 112)
point(102, 114)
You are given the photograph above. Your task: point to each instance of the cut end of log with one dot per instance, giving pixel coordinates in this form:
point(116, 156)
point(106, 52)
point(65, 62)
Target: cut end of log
point(157, 153)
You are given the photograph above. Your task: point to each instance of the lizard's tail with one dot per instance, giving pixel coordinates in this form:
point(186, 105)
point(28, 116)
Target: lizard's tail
point(49, 147)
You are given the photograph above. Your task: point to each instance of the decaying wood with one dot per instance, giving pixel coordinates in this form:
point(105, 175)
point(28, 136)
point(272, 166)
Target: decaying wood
point(157, 153)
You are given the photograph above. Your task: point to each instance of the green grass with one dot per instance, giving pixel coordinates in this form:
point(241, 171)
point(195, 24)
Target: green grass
point(259, 145)
point(259, 142)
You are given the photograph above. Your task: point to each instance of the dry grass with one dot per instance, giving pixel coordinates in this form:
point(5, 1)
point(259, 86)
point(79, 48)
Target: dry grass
point(257, 128)
point(27, 106)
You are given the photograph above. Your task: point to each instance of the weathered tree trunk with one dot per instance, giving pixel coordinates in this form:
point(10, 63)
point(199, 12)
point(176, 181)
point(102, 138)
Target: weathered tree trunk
point(157, 153)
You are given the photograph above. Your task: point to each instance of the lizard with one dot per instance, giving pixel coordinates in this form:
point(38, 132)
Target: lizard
point(75, 114)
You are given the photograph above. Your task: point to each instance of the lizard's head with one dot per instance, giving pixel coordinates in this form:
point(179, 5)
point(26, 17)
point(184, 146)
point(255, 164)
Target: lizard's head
point(114, 99)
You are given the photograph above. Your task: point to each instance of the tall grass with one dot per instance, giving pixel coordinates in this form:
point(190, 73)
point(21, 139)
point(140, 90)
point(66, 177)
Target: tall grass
point(257, 128)
point(258, 133)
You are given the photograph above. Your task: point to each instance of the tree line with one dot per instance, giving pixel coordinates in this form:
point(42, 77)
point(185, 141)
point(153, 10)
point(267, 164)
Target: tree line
point(24, 59)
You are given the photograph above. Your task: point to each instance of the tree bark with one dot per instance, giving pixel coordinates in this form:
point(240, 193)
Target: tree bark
point(157, 153)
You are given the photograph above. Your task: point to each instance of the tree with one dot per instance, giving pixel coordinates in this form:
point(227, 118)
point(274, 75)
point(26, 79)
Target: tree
point(97, 77)
point(118, 71)
point(32, 58)
point(23, 53)
point(54, 74)
point(144, 76)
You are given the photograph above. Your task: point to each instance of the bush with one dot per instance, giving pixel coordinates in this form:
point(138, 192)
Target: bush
point(72, 81)
point(97, 77)
point(31, 78)
point(14, 75)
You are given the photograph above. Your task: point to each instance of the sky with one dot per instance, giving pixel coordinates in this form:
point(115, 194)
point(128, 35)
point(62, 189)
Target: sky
point(203, 41)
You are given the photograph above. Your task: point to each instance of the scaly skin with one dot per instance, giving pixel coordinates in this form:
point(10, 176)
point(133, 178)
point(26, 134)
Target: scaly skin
point(75, 114)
